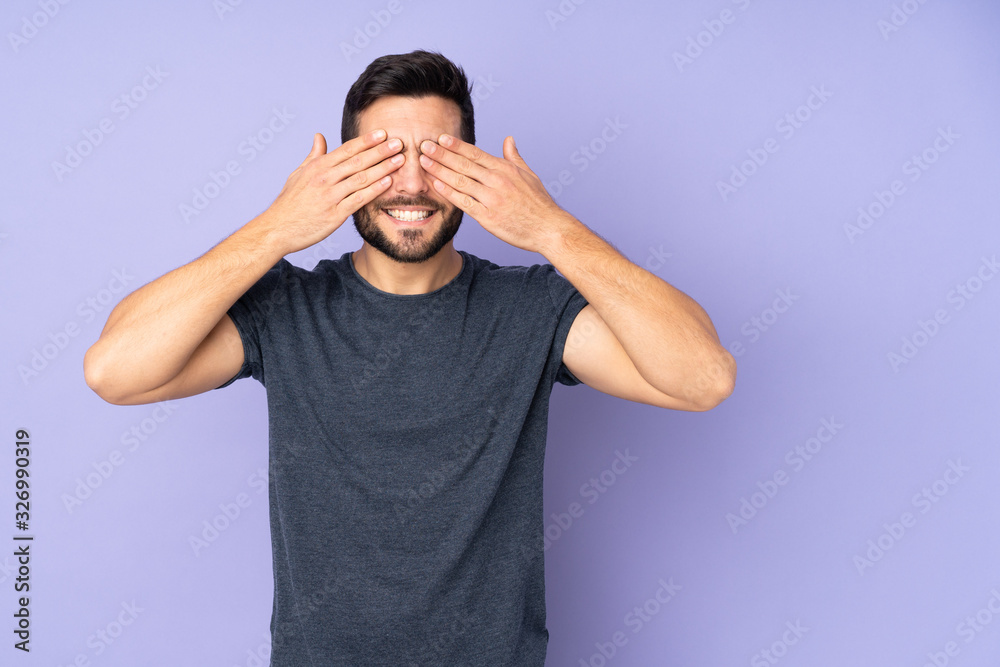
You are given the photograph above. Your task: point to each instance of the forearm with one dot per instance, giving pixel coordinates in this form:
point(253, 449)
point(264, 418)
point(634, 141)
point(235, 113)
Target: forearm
point(151, 334)
point(668, 337)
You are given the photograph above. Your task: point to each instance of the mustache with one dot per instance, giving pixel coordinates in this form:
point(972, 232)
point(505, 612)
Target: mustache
point(399, 201)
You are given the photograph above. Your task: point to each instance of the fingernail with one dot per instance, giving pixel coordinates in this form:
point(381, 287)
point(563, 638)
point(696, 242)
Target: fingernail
point(385, 181)
point(397, 159)
point(395, 143)
point(378, 135)
point(426, 161)
point(427, 147)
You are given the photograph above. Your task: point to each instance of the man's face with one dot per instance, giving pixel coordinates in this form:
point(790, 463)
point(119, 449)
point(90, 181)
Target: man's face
point(411, 222)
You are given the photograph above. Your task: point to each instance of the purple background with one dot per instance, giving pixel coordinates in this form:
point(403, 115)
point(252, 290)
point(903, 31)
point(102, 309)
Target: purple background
point(652, 190)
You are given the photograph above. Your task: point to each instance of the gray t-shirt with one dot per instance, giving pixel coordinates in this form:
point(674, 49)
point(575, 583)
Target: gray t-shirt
point(407, 441)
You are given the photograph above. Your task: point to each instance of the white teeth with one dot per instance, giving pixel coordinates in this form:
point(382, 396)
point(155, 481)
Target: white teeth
point(409, 216)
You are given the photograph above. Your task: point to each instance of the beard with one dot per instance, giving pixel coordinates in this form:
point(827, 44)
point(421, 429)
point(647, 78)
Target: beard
point(414, 246)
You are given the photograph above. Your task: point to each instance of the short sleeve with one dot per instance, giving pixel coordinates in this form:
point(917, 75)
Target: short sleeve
point(567, 303)
point(250, 314)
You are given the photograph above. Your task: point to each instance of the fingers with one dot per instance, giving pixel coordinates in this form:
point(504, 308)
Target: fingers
point(457, 179)
point(318, 149)
point(361, 187)
point(464, 159)
point(471, 151)
point(462, 200)
point(319, 145)
point(357, 147)
point(366, 177)
point(356, 199)
point(511, 153)
point(358, 155)
point(509, 150)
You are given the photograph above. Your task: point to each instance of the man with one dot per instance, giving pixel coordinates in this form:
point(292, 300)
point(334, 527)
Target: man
point(408, 382)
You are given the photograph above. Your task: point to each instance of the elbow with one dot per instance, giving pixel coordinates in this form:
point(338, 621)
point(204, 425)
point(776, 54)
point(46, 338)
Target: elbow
point(715, 383)
point(95, 374)
point(727, 378)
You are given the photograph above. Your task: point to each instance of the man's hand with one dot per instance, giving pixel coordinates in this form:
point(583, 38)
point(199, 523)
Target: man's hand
point(649, 342)
point(171, 337)
point(327, 188)
point(503, 194)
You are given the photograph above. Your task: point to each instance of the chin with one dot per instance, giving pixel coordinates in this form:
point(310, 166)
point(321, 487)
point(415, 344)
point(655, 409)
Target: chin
point(408, 241)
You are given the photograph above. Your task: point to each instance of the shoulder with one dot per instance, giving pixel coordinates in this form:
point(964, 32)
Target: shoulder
point(327, 269)
point(325, 272)
point(519, 278)
point(285, 281)
point(538, 284)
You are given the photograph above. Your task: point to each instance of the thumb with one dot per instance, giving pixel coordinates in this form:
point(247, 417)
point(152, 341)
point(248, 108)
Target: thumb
point(511, 153)
point(318, 147)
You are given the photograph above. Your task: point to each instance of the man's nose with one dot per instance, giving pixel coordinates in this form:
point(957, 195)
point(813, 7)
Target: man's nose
point(411, 178)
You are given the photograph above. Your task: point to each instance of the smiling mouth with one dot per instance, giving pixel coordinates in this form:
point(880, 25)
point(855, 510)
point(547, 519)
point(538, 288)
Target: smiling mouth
point(402, 215)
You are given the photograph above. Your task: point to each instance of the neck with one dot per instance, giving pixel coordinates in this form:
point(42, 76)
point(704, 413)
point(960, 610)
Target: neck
point(394, 277)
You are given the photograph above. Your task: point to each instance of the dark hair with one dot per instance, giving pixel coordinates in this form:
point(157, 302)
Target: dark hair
point(415, 74)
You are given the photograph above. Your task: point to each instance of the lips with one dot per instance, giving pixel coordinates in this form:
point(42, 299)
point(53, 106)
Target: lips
point(408, 215)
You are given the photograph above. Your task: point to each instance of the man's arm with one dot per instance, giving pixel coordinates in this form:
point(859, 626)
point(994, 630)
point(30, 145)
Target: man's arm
point(171, 338)
point(639, 338)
